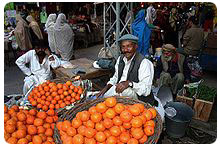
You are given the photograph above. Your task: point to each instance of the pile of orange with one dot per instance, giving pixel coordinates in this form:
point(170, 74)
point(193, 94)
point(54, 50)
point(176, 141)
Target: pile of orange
point(29, 126)
point(50, 95)
point(109, 122)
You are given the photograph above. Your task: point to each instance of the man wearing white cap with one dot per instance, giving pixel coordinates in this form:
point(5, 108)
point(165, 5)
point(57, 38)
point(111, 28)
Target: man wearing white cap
point(172, 69)
point(133, 73)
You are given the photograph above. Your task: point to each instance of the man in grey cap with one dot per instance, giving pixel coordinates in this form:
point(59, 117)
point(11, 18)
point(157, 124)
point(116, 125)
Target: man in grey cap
point(133, 73)
point(172, 69)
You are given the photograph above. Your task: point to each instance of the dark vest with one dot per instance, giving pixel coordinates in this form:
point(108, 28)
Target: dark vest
point(133, 69)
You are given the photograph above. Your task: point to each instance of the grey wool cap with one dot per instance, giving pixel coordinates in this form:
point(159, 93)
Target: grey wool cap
point(129, 37)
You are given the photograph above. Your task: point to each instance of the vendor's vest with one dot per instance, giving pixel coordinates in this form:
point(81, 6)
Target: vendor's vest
point(133, 69)
point(180, 63)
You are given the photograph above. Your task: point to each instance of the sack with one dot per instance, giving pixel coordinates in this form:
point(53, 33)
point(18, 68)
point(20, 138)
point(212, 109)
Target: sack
point(106, 63)
point(105, 53)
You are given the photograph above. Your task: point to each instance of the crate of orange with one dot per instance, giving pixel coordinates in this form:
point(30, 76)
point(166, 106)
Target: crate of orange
point(109, 121)
point(54, 95)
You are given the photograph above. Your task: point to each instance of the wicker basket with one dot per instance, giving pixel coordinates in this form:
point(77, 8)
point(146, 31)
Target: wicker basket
point(69, 115)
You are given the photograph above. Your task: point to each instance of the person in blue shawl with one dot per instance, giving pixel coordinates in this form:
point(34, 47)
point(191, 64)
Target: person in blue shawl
point(142, 31)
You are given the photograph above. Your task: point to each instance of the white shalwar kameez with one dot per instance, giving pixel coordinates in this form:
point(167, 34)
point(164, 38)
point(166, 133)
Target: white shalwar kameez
point(143, 87)
point(36, 73)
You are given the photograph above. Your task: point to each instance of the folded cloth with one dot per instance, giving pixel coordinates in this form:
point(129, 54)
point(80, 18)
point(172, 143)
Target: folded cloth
point(79, 70)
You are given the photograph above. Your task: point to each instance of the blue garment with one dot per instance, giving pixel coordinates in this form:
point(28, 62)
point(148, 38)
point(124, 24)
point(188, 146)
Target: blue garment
point(141, 30)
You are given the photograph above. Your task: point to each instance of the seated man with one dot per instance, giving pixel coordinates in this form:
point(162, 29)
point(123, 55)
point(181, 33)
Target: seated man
point(172, 69)
point(40, 61)
point(133, 73)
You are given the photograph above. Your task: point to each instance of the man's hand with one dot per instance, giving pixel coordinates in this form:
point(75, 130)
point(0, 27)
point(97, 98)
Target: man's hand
point(120, 87)
point(47, 51)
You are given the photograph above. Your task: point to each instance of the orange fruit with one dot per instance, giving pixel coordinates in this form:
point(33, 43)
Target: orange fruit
point(84, 116)
point(96, 117)
point(38, 122)
point(107, 133)
point(12, 140)
point(10, 128)
point(100, 137)
point(6, 117)
point(49, 132)
point(22, 141)
point(92, 110)
point(32, 130)
point(132, 141)
point(99, 126)
point(115, 131)
point(110, 113)
point(77, 97)
point(50, 112)
point(101, 107)
point(119, 108)
point(90, 141)
point(125, 116)
point(137, 133)
point(136, 122)
point(127, 125)
point(124, 137)
point(90, 132)
point(71, 131)
point(41, 115)
point(15, 107)
point(59, 85)
point(45, 108)
point(41, 130)
point(21, 116)
point(37, 139)
point(5, 108)
point(111, 102)
point(66, 125)
point(78, 139)
point(117, 121)
point(149, 130)
point(135, 110)
point(58, 124)
point(49, 119)
point(143, 139)
point(21, 133)
point(149, 123)
point(82, 130)
point(111, 140)
point(68, 83)
point(76, 123)
point(148, 114)
point(153, 111)
point(90, 124)
point(108, 123)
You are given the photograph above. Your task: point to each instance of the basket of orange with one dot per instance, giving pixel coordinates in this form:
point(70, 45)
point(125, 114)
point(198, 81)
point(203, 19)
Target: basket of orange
point(52, 95)
point(28, 126)
point(113, 120)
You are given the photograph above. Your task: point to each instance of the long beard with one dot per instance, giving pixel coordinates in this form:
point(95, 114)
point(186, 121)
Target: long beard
point(168, 58)
point(41, 53)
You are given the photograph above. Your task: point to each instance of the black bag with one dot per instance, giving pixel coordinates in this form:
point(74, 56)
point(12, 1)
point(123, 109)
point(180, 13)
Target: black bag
point(106, 63)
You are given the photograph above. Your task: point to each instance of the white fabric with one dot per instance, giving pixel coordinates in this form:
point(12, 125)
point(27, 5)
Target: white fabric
point(145, 75)
point(41, 72)
point(150, 15)
point(49, 26)
point(64, 37)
